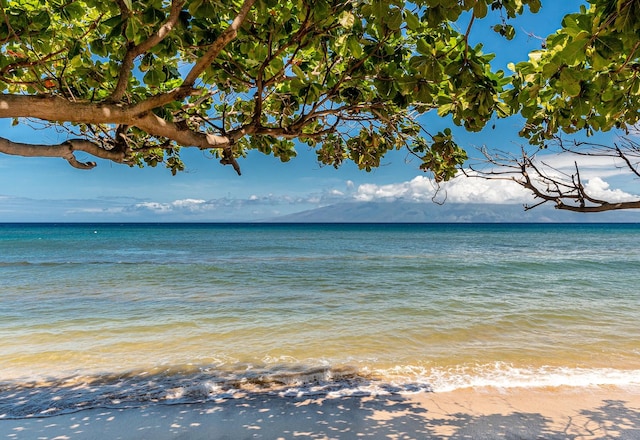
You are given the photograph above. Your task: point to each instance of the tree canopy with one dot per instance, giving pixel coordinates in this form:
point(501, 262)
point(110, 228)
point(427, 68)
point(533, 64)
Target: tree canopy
point(585, 79)
point(135, 81)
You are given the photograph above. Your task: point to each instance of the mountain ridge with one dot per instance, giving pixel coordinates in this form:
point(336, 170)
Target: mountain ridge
point(427, 212)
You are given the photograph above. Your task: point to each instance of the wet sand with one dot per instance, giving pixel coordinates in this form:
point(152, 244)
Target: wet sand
point(554, 413)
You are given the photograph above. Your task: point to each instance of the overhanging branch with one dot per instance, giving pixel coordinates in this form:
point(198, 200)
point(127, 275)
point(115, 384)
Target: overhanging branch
point(64, 150)
point(565, 191)
point(53, 108)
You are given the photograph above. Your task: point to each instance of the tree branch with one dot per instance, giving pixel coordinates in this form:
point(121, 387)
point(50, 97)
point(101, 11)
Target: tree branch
point(214, 50)
point(157, 126)
point(161, 99)
point(53, 108)
point(64, 150)
point(346, 75)
point(127, 63)
point(629, 57)
point(466, 36)
point(566, 192)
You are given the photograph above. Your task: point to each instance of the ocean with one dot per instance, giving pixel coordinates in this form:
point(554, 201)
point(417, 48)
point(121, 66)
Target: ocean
point(125, 315)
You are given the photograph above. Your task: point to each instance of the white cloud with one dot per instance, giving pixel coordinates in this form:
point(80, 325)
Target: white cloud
point(188, 203)
point(184, 205)
point(257, 206)
point(590, 166)
point(459, 190)
point(154, 206)
point(599, 189)
point(593, 170)
point(472, 189)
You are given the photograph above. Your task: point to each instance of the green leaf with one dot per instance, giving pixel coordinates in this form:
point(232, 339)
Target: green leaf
point(570, 25)
point(73, 11)
point(113, 21)
point(98, 47)
point(347, 20)
point(598, 62)
point(570, 82)
point(194, 5)
point(75, 49)
point(133, 29)
point(506, 30)
point(534, 6)
point(154, 77)
point(551, 68)
point(394, 19)
point(42, 20)
point(510, 32)
point(574, 52)
point(413, 22)
point(423, 47)
point(354, 47)
point(480, 9)
point(608, 46)
point(298, 72)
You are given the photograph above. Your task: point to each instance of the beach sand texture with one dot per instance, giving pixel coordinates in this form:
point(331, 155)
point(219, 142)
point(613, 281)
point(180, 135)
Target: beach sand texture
point(565, 413)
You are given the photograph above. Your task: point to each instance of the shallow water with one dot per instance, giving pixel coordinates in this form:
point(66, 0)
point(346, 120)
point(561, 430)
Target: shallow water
point(96, 315)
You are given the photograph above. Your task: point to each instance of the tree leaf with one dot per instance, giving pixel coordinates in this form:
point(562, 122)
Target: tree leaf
point(298, 72)
point(534, 5)
point(574, 52)
point(354, 46)
point(347, 20)
point(412, 20)
point(154, 77)
point(480, 9)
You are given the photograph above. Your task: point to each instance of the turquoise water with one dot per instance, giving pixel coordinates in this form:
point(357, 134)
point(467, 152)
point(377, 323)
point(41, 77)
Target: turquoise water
point(122, 315)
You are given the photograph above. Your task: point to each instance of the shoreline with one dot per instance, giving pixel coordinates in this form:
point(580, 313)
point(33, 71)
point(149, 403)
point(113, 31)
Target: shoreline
point(606, 412)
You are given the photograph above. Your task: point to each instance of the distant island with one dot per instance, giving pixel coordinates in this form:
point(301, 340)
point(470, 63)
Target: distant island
point(409, 212)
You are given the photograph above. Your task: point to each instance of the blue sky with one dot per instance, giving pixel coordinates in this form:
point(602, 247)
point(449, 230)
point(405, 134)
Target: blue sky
point(50, 190)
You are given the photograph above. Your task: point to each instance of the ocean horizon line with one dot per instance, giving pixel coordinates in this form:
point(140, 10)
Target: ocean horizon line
point(271, 222)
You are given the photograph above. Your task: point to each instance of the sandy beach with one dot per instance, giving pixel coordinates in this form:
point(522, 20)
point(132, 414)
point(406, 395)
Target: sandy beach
point(558, 413)
point(303, 331)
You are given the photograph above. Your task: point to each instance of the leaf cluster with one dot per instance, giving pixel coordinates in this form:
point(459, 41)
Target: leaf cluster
point(350, 79)
point(586, 77)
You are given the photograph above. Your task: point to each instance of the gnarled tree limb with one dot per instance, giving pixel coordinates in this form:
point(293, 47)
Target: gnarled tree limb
point(64, 150)
point(53, 108)
point(564, 191)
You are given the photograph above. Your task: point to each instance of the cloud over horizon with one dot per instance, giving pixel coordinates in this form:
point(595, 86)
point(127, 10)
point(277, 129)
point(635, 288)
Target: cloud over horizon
point(458, 190)
point(256, 206)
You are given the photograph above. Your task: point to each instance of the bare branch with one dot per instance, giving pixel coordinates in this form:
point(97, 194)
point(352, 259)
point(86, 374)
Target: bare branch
point(565, 191)
point(25, 62)
point(625, 157)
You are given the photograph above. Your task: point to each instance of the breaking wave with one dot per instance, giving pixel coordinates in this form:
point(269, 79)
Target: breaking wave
point(135, 389)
